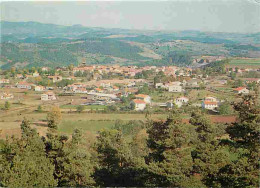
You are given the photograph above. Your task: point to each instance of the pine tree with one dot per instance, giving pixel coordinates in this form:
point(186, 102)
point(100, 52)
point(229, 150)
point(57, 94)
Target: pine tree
point(244, 135)
point(78, 166)
point(208, 155)
point(24, 163)
point(117, 166)
point(56, 152)
point(170, 158)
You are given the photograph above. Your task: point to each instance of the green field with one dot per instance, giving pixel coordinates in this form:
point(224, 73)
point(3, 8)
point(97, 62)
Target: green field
point(92, 126)
point(94, 107)
point(91, 122)
point(245, 62)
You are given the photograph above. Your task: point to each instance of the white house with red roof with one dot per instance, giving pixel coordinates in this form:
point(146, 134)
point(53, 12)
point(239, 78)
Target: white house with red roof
point(210, 103)
point(6, 96)
point(139, 105)
point(145, 98)
point(241, 90)
point(4, 81)
point(24, 85)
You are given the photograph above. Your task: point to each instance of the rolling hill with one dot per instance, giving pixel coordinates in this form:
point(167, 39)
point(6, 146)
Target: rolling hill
point(27, 44)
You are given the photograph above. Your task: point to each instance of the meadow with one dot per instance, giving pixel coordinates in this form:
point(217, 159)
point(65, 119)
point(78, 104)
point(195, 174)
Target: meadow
point(245, 63)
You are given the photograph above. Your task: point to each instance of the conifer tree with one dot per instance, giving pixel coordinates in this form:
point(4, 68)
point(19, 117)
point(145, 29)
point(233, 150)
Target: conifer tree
point(117, 166)
point(78, 166)
point(170, 157)
point(208, 155)
point(23, 161)
point(244, 135)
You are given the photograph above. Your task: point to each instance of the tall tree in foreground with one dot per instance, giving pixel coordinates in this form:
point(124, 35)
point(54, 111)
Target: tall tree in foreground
point(116, 164)
point(208, 155)
point(244, 135)
point(78, 166)
point(170, 157)
point(23, 161)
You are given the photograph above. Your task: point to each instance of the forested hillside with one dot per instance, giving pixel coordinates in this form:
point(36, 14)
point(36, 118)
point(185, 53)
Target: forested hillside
point(36, 44)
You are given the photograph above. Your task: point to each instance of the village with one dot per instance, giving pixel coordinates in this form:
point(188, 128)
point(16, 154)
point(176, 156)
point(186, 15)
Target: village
point(127, 88)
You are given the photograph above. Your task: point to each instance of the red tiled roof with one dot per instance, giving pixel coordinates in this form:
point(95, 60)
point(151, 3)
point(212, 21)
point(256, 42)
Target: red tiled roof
point(138, 101)
point(239, 88)
point(210, 103)
point(142, 96)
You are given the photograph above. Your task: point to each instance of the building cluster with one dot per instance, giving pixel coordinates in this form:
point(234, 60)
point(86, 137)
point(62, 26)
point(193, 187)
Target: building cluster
point(101, 91)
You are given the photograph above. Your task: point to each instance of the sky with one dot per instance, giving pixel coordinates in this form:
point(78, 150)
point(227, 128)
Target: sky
point(205, 15)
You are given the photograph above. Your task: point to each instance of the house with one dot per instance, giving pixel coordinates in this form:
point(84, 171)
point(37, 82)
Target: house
point(175, 88)
point(181, 100)
point(251, 80)
point(6, 96)
point(24, 85)
point(48, 96)
point(145, 98)
point(98, 90)
point(241, 90)
point(210, 105)
point(4, 81)
point(139, 105)
point(102, 97)
point(159, 85)
point(36, 74)
point(39, 88)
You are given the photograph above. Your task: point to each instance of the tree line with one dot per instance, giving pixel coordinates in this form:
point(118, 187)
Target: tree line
point(166, 153)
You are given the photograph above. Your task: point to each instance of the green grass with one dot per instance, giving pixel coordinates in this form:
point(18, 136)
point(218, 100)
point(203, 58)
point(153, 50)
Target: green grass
point(248, 62)
point(67, 106)
point(92, 126)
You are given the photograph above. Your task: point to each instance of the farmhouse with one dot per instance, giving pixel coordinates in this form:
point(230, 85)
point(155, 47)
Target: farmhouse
point(24, 85)
point(145, 98)
point(4, 81)
point(139, 105)
point(36, 74)
point(48, 96)
point(6, 96)
point(175, 88)
point(39, 88)
point(181, 100)
point(210, 103)
point(242, 90)
point(102, 96)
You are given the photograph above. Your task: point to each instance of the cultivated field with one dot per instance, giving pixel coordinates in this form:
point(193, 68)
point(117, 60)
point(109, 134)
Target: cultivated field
point(245, 62)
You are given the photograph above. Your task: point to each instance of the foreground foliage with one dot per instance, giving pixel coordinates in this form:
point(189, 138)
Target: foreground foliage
point(155, 154)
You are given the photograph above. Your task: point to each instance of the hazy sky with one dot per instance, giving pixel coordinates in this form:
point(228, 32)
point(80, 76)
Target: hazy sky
point(205, 15)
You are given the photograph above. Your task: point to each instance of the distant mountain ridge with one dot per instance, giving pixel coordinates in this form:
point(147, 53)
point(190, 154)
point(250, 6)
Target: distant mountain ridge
point(39, 44)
